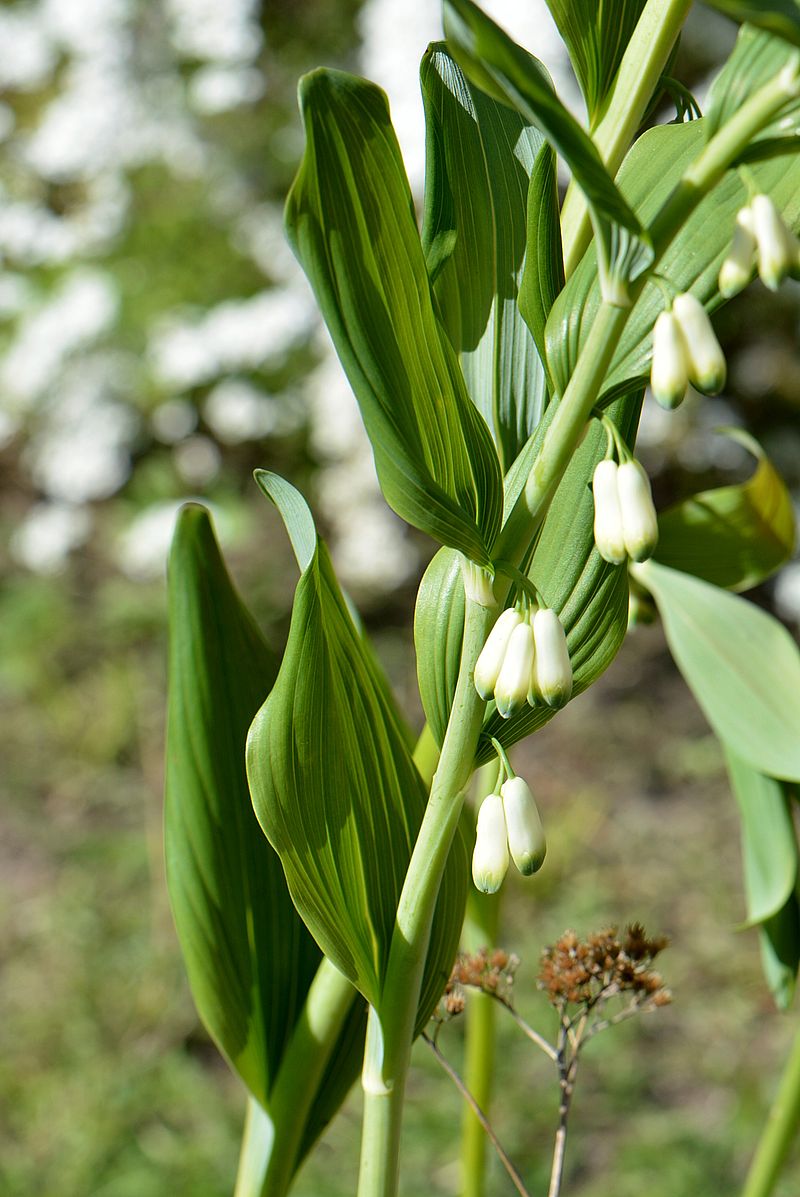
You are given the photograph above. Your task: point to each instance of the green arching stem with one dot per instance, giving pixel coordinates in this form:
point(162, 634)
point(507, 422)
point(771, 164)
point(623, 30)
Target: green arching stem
point(271, 1141)
point(623, 111)
point(780, 1133)
point(390, 1039)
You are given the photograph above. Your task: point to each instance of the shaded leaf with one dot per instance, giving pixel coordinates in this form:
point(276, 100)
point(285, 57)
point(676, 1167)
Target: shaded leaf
point(480, 155)
point(543, 276)
point(596, 36)
point(691, 263)
point(780, 951)
point(338, 795)
point(351, 222)
point(779, 16)
point(249, 957)
point(733, 536)
point(740, 663)
point(509, 74)
point(769, 845)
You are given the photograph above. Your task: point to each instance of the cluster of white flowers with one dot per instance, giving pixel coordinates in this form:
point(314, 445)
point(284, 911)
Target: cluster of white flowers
point(761, 238)
point(685, 350)
point(625, 523)
point(525, 659)
point(509, 823)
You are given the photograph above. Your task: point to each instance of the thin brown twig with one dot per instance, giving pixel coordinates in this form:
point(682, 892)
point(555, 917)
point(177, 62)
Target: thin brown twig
point(505, 1160)
point(528, 1030)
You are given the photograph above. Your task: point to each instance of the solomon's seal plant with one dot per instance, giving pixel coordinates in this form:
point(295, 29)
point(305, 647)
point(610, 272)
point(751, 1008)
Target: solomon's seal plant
point(317, 845)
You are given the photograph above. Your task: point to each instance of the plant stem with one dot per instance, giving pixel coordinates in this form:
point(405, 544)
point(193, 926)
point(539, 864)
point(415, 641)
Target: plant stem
point(623, 110)
point(780, 1132)
point(258, 1138)
point(390, 1037)
point(270, 1145)
point(480, 930)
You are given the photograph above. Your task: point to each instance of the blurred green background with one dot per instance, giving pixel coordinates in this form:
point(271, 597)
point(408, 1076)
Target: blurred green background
point(158, 343)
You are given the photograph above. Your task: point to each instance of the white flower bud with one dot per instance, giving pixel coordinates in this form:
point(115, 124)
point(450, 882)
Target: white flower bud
point(639, 523)
point(737, 269)
point(489, 663)
point(552, 669)
point(490, 857)
point(478, 584)
point(669, 376)
point(526, 840)
point(607, 514)
point(513, 684)
point(777, 245)
point(705, 359)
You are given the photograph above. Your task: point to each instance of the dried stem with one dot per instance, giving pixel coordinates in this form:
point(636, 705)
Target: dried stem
point(505, 1160)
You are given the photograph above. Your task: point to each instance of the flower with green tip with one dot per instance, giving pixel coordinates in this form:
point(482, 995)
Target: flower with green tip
point(669, 372)
point(608, 535)
point(490, 661)
point(514, 680)
point(526, 841)
point(490, 855)
point(737, 269)
point(639, 521)
point(552, 668)
point(704, 358)
point(777, 248)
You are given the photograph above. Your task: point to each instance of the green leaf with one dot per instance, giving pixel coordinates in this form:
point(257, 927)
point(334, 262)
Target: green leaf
point(691, 263)
point(543, 276)
point(337, 793)
point(780, 951)
point(295, 514)
point(480, 155)
point(734, 536)
point(596, 36)
point(249, 957)
point(781, 16)
point(509, 74)
point(756, 59)
point(740, 663)
point(350, 220)
point(769, 845)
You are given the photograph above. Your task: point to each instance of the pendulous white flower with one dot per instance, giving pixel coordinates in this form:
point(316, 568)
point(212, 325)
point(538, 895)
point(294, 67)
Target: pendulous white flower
point(608, 534)
point(552, 669)
point(777, 247)
point(526, 839)
point(514, 681)
point(737, 269)
point(669, 372)
point(490, 661)
point(705, 360)
point(639, 522)
point(490, 856)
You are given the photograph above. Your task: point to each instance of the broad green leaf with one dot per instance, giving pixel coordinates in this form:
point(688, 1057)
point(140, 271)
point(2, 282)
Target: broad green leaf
point(756, 59)
point(596, 36)
point(769, 844)
point(543, 276)
point(779, 16)
point(350, 219)
point(590, 595)
point(780, 951)
point(740, 663)
point(249, 957)
point(337, 793)
point(508, 73)
point(480, 155)
point(734, 536)
point(691, 263)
